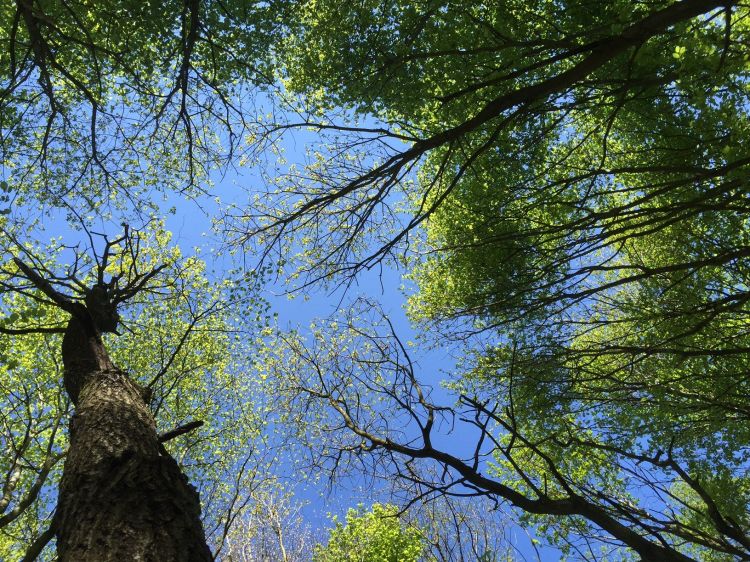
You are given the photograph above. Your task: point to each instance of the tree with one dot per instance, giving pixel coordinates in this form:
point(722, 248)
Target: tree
point(456, 530)
point(356, 399)
point(105, 109)
point(273, 529)
point(581, 175)
point(418, 70)
point(119, 479)
point(369, 536)
point(127, 98)
point(580, 172)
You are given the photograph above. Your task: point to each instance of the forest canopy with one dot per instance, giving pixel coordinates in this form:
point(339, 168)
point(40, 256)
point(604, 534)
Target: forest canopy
point(562, 187)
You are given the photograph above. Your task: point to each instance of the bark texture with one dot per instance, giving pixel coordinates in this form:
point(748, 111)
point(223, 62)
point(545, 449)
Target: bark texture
point(122, 496)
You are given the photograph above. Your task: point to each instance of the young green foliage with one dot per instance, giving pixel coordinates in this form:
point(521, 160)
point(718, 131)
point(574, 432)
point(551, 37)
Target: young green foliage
point(580, 170)
point(371, 536)
point(108, 103)
point(184, 337)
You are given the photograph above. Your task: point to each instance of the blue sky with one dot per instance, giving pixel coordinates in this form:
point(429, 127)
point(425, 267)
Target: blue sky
point(192, 227)
point(191, 223)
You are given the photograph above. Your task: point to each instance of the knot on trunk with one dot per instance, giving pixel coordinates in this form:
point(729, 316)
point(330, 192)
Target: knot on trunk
point(101, 308)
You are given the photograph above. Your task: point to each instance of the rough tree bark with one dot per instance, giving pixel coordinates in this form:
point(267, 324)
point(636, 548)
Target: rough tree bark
point(122, 496)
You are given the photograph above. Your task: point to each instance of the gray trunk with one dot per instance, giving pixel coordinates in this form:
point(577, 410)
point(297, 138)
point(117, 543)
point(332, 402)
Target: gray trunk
point(122, 496)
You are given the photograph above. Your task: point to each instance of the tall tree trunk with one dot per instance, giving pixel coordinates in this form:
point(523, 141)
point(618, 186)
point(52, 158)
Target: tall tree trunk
point(122, 496)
